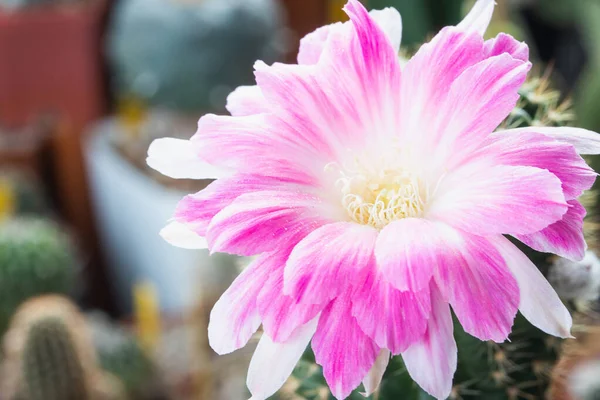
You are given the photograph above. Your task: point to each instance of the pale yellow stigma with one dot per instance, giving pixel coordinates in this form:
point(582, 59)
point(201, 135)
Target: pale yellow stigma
point(380, 198)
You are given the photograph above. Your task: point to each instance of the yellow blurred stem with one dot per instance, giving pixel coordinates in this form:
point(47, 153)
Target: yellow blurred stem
point(147, 314)
point(7, 199)
point(335, 12)
point(132, 113)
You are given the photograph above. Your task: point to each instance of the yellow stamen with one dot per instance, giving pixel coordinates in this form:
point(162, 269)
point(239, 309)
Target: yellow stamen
point(378, 199)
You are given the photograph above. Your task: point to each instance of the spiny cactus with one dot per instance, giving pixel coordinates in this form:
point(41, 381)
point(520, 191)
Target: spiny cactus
point(518, 369)
point(49, 355)
point(539, 105)
point(36, 257)
point(48, 345)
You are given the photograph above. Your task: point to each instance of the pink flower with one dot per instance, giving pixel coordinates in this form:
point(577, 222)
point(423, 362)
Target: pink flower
point(377, 196)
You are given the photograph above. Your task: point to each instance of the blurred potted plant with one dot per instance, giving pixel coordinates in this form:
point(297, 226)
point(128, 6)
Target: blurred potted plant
point(172, 61)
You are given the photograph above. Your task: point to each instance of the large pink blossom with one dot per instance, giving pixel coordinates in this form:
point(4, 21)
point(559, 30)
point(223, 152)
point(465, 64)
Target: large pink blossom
point(375, 196)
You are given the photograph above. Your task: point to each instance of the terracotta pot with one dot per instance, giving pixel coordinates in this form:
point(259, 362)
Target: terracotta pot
point(50, 61)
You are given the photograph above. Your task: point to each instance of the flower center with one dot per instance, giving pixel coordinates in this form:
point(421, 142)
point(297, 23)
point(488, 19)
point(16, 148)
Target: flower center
point(376, 199)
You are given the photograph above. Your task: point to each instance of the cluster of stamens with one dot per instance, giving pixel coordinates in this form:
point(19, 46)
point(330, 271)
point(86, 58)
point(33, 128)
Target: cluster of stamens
point(376, 199)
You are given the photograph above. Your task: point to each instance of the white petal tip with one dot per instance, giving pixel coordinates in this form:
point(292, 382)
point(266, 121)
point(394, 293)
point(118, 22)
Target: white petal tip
point(390, 22)
point(479, 18)
point(273, 363)
point(176, 159)
point(584, 141)
point(180, 235)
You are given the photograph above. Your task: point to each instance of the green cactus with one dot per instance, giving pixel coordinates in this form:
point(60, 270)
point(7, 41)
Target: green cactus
point(421, 17)
point(539, 105)
point(36, 257)
point(49, 355)
point(51, 367)
point(517, 369)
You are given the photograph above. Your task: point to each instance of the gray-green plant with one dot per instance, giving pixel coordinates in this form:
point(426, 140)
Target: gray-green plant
point(188, 55)
point(120, 354)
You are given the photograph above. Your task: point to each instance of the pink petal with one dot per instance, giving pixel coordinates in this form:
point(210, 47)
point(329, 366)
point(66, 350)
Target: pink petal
point(432, 361)
point(312, 112)
point(341, 252)
point(281, 314)
point(352, 90)
point(181, 235)
point(255, 144)
point(408, 251)
point(377, 50)
point(373, 379)
point(504, 43)
point(264, 221)
point(344, 351)
point(178, 159)
point(539, 302)
point(478, 19)
point(584, 141)
point(537, 150)
point(197, 210)
point(390, 22)
point(235, 317)
point(482, 291)
point(246, 100)
point(448, 87)
point(393, 319)
point(564, 238)
point(478, 101)
point(428, 76)
point(312, 45)
point(273, 363)
point(502, 199)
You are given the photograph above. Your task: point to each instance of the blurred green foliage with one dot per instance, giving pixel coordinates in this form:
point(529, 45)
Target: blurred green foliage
point(421, 18)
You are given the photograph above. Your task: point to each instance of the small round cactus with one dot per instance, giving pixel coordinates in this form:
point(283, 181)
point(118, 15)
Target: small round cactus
point(36, 257)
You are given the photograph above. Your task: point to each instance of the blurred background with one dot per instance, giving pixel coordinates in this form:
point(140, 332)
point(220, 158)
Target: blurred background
point(93, 303)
